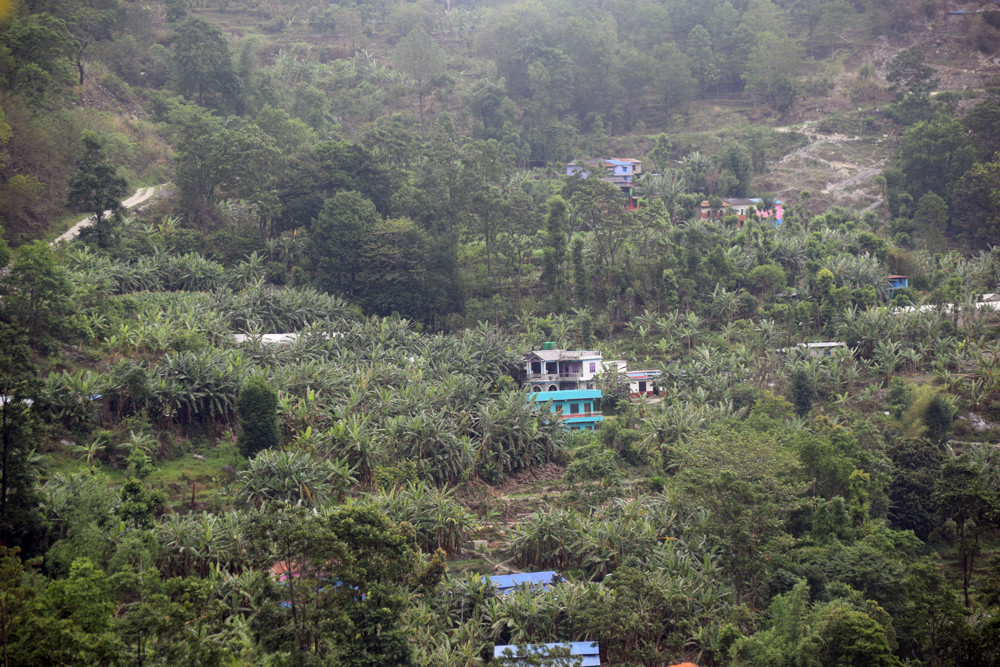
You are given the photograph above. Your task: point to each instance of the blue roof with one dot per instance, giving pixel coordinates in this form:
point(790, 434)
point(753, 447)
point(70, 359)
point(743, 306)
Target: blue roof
point(588, 653)
point(567, 395)
point(505, 582)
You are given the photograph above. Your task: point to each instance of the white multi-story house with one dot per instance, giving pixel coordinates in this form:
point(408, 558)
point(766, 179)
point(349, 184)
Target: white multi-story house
point(551, 369)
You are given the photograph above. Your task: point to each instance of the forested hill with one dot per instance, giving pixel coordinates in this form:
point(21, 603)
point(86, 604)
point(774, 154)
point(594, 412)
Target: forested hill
point(547, 83)
point(273, 414)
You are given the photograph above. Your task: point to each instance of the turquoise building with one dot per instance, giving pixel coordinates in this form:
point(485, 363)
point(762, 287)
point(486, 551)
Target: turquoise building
point(579, 409)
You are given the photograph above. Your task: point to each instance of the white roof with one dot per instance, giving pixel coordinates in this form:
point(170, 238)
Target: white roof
point(280, 338)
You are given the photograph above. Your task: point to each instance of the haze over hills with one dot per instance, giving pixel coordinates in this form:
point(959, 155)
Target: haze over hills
point(444, 333)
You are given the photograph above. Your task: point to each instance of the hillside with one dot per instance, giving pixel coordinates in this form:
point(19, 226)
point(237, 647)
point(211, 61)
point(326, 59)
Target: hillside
point(276, 408)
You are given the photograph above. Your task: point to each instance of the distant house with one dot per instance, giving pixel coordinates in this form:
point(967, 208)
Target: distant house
point(553, 369)
point(643, 383)
point(585, 654)
point(620, 172)
point(505, 583)
point(578, 409)
point(742, 208)
point(898, 282)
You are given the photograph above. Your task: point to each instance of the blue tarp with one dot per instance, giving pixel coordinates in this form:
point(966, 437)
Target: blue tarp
point(508, 582)
point(587, 653)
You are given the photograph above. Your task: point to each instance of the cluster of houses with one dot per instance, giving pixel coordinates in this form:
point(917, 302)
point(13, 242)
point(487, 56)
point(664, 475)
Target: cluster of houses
point(624, 172)
point(742, 208)
point(567, 380)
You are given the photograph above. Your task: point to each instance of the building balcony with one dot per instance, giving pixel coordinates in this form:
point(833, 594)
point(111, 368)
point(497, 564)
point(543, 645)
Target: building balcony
point(580, 415)
point(543, 377)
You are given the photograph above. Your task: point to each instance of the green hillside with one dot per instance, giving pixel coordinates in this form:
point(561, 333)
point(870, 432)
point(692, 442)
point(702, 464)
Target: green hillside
point(269, 410)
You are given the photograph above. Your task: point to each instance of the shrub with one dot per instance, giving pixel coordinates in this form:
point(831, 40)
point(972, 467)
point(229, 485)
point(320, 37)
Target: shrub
point(257, 406)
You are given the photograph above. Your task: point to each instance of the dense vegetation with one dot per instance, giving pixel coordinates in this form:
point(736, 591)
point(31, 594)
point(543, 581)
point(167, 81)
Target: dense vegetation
point(386, 179)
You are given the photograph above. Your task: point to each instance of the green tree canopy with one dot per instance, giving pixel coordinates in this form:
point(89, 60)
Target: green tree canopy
point(420, 56)
point(202, 64)
point(337, 241)
point(773, 65)
point(98, 189)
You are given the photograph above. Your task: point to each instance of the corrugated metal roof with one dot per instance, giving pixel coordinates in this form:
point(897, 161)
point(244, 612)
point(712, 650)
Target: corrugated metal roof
point(543, 355)
point(587, 653)
point(566, 395)
point(559, 354)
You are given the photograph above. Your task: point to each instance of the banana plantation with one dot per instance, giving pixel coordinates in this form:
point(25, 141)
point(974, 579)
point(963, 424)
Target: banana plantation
point(771, 502)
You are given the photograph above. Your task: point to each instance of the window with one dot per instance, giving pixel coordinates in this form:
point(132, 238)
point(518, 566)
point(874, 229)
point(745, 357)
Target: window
point(574, 408)
point(593, 366)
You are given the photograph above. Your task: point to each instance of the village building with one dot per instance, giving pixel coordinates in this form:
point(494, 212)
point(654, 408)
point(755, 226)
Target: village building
point(898, 282)
point(553, 369)
point(643, 383)
point(742, 208)
point(577, 409)
point(623, 173)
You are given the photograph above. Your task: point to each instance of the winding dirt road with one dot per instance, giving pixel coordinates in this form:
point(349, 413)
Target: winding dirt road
point(141, 195)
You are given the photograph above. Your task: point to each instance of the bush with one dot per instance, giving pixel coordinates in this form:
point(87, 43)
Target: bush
point(257, 406)
point(803, 392)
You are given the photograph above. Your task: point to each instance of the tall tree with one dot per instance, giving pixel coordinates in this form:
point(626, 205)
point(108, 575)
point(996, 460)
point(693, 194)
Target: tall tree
point(98, 189)
point(20, 522)
point(701, 57)
point(933, 156)
point(931, 219)
point(976, 204)
point(420, 56)
point(37, 289)
point(198, 160)
point(341, 600)
point(203, 65)
point(773, 64)
point(337, 241)
point(660, 152)
point(969, 511)
point(399, 273)
point(553, 269)
point(581, 279)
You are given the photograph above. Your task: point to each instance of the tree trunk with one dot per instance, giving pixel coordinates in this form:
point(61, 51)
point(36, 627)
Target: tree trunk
point(79, 59)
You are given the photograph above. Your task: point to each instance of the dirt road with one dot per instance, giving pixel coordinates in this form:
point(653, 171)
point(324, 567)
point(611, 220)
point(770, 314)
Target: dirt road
point(141, 195)
point(836, 168)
